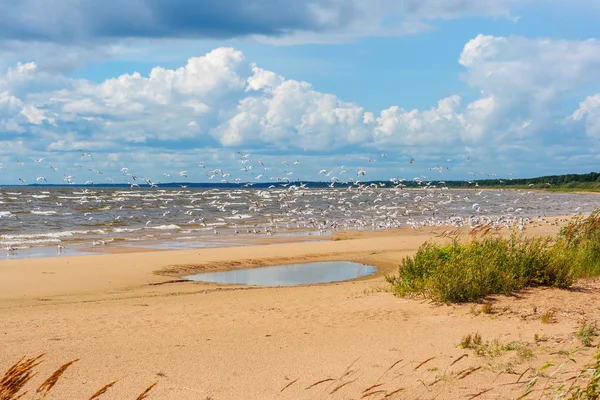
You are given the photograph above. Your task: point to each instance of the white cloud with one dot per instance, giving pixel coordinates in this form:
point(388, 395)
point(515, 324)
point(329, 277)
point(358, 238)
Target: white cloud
point(589, 113)
point(440, 125)
point(291, 114)
point(539, 69)
point(222, 98)
point(34, 115)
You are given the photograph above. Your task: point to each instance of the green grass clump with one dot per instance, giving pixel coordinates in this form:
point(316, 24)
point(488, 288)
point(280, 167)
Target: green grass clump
point(549, 317)
point(461, 272)
point(580, 240)
point(586, 333)
point(471, 341)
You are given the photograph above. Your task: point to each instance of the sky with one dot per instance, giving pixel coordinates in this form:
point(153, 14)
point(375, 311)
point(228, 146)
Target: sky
point(268, 90)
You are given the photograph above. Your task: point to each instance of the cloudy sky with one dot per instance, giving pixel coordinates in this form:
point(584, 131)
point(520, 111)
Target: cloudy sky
point(462, 87)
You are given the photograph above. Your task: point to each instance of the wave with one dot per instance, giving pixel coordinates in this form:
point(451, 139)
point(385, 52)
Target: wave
point(240, 216)
point(165, 227)
point(37, 212)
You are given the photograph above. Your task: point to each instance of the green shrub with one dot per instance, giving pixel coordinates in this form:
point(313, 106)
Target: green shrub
point(461, 272)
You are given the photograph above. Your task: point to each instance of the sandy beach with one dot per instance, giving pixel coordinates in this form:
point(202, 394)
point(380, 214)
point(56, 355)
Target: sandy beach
point(129, 316)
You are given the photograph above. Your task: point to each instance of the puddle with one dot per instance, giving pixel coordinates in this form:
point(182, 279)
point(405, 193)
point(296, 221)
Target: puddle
point(289, 275)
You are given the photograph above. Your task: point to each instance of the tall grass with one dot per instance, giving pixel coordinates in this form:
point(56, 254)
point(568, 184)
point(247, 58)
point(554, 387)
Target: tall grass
point(485, 265)
point(16, 378)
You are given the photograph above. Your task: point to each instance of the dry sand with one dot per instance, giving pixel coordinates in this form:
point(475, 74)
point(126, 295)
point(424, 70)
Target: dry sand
point(128, 316)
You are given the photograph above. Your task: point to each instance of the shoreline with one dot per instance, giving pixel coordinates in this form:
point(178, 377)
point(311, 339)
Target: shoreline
point(90, 273)
point(35, 278)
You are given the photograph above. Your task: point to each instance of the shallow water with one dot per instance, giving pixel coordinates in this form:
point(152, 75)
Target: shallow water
point(44, 252)
point(289, 275)
point(76, 217)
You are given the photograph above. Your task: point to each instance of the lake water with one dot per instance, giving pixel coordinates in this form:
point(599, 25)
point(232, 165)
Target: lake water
point(289, 275)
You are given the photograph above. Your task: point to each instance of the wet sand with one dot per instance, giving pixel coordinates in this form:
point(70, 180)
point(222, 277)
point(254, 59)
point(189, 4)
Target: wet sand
point(130, 316)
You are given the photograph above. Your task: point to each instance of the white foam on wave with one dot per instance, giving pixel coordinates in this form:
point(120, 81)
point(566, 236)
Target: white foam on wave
point(57, 235)
point(45, 238)
point(38, 212)
point(165, 227)
point(125, 230)
point(239, 216)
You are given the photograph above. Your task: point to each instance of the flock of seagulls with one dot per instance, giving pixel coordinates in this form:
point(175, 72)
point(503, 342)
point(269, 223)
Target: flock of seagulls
point(255, 171)
point(286, 205)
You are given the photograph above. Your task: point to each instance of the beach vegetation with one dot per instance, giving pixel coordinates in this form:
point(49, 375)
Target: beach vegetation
point(13, 384)
point(494, 348)
point(548, 317)
point(488, 264)
point(586, 333)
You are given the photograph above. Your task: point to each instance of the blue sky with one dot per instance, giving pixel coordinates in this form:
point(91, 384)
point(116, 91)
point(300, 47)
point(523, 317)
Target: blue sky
point(497, 88)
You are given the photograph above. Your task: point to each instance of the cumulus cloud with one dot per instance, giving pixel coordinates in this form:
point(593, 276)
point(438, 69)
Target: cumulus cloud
point(221, 99)
point(288, 113)
point(589, 113)
point(533, 69)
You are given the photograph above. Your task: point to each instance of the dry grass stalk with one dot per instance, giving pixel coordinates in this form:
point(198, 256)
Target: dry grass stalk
point(423, 363)
point(289, 384)
point(480, 393)
point(393, 365)
point(434, 382)
point(372, 393)
point(523, 373)
point(49, 383)
point(372, 387)
point(459, 358)
point(17, 377)
point(468, 372)
point(144, 394)
point(390, 394)
point(19, 374)
point(103, 389)
point(338, 387)
point(319, 382)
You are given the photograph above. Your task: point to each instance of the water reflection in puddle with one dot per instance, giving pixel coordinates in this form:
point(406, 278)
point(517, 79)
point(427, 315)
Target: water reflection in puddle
point(289, 275)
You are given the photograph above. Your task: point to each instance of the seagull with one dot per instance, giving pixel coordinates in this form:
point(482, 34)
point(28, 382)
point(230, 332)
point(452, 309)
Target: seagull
point(41, 178)
point(39, 160)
